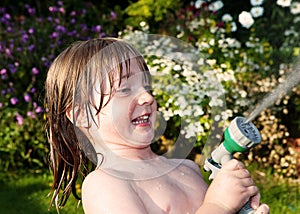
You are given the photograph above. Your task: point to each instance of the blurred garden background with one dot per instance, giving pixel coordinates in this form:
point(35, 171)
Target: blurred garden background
point(250, 46)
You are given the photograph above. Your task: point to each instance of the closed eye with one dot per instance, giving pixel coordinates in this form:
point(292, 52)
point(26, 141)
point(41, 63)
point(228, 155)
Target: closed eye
point(123, 91)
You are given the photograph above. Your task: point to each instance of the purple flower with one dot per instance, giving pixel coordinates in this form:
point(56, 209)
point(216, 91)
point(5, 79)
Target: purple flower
point(31, 47)
point(49, 18)
point(54, 35)
point(113, 15)
point(96, 28)
point(53, 9)
point(61, 28)
point(31, 114)
point(3, 71)
point(38, 109)
point(5, 19)
point(101, 35)
point(31, 11)
point(9, 90)
point(12, 68)
point(14, 100)
point(7, 16)
point(73, 13)
point(19, 119)
point(83, 27)
point(62, 10)
point(9, 29)
point(56, 20)
point(35, 71)
point(33, 90)
point(7, 52)
point(72, 33)
point(1, 105)
point(27, 98)
point(31, 30)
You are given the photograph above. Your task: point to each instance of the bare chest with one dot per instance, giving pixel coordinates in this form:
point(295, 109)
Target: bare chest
point(176, 193)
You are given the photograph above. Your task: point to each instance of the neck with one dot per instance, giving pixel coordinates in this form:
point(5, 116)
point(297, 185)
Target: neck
point(132, 153)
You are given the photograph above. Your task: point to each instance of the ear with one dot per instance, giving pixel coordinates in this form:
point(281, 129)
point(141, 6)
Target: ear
point(78, 117)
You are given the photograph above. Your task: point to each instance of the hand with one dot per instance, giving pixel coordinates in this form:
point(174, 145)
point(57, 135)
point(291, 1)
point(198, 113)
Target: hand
point(232, 188)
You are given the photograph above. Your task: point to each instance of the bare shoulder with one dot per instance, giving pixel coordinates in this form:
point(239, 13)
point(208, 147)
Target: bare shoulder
point(100, 190)
point(97, 178)
point(188, 165)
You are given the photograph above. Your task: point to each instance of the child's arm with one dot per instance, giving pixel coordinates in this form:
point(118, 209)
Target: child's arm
point(103, 193)
point(230, 190)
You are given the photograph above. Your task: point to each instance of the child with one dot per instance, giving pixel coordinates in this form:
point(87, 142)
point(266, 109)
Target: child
point(101, 111)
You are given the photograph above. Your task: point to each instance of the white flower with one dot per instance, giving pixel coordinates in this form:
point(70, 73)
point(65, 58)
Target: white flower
point(246, 20)
point(257, 11)
point(233, 27)
point(284, 3)
point(227, 17)
point(295, 8)
point(199, 3)
point(142, 23)
point(215, 6)
point(256, 2)
point(177, 67)
point(211, 62)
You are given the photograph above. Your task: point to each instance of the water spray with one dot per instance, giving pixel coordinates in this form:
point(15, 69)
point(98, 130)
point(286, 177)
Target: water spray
point(240, 136)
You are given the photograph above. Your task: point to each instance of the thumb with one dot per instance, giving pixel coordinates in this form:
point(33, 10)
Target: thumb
point(255, 201)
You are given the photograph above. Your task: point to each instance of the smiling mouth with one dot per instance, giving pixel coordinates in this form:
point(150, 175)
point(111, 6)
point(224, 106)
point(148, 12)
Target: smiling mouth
point(141, 120)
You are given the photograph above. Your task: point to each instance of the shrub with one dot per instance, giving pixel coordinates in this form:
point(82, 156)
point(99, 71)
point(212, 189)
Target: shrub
point(249, 67)
point(31, 37)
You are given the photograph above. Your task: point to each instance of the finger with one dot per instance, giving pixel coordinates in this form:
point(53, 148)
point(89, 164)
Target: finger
point(247, 182)
point(263, 209)
point(233, 165)
point(252, 191)
point(242, 173)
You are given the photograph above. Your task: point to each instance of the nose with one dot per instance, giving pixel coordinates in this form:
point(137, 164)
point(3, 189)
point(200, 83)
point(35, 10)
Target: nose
point(144, 97)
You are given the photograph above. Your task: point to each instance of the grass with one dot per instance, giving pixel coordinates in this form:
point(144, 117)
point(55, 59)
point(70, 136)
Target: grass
point(281, 196)
point(29, 194)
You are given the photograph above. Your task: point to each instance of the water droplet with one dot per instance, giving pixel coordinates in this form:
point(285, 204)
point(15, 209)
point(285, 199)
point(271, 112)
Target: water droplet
point(182, 173)
point(159, 186)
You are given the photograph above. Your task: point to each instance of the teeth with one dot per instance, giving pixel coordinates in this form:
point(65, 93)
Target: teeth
point(140, 120)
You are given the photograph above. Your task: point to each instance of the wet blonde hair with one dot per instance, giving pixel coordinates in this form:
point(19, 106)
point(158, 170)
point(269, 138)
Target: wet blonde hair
point(70, 84)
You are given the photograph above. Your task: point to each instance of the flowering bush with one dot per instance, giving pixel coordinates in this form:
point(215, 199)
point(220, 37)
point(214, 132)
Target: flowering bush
point(248, 66)
point(247, 48)
point(30, 39)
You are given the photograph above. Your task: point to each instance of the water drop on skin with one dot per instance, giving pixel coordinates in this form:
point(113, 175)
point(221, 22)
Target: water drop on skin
point(159, 187)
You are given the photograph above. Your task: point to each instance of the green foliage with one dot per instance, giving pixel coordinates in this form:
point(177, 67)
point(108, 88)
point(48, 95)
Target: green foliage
point(153, 12)
point(31, 35)
point(22, 146)
point(245, 60)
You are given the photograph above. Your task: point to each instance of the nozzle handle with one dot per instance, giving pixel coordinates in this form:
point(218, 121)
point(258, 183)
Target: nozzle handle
point(247, 209)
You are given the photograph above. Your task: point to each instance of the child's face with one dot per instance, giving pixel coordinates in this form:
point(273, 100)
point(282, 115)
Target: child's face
point(129, 117)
